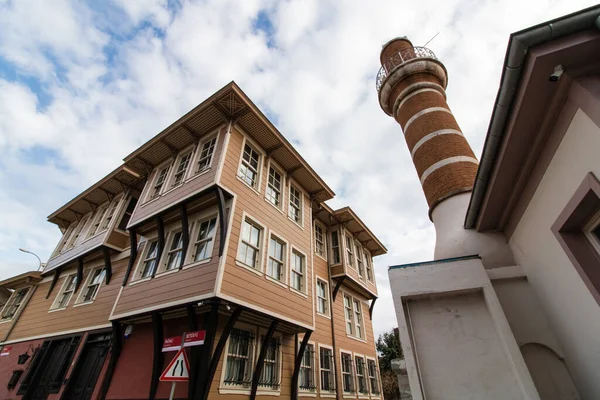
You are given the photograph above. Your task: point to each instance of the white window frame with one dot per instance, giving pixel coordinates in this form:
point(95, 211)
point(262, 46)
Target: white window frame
point(295, 186)
point(167, 250)
point(282, 185)
point(284, 273)
point(348, 319)
point(137, 276)
point(365, 375)
point(198, 157)
point(85, 286)
point(304, 290)
point(78, 232)
point(260, 257)
point(63, 289)
point(359, 321)
point(369, 265)
point(97, 220)
point(331, 370)
point(65, 239)
point(194, 231)
point(11, 301)
point(278, 362)
point(327, 312)
point(313, 368)
point(323, 241)
point(339, 247)
point(174, 170)
point(253, 345)
point(124, 211)
point(168, 165)
point(349, 250)
point(111, 212)
point(261, 157)
point(352, 319)
point(352, 372)
point(358, 256)
point(377, 378)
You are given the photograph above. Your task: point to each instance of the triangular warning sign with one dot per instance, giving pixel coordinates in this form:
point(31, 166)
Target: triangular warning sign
point(178, 369)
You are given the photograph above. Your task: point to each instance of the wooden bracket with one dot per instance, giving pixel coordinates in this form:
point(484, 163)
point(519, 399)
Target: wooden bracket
point(260, 362)
point(132, 255)
point(161, 241)
point(185, 233)
point(371, 307)
point(222, 219)
point(53, 283)
point(297, 364)
point(107, 264)
point(171, 148)
point(79, 273)
point(337, 286)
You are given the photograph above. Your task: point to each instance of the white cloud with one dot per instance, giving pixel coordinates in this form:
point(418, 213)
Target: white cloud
point(112, 78)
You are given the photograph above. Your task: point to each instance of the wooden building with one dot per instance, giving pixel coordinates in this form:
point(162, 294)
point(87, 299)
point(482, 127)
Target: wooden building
point(215, 224)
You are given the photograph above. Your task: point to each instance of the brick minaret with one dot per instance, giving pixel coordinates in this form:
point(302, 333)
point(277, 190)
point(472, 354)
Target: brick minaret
point(411, 86)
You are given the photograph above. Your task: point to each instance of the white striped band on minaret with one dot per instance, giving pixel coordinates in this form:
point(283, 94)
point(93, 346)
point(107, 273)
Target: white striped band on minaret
point(413, 91)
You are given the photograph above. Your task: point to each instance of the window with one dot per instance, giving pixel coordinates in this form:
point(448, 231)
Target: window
point(249, 167)
point(322, 297)
point(273, 192)
point(77, 233)
point(175, 251)
point(373, 377)
point(369, 269)
point(206, 154)
point(326, 367)
point(205, 239)
point(182, 167)
point(349, 251)
point(13, 304)
point(65, 238)
point(335, 247)
point(306, 379)
point(295, 209)
point(110, 214)
point(319, 240)
point(94, 282)
point(298, 268)
point(270, 372)
point(68, 288)
point(592, 231)
point(238, 365)
point(161, 177)
point(127, 214)
point(98, 218)
point(249, 249)
point(275, 263)
point(358, 318)
point(361, 381)
point(359, 262)
point(348, 314)
point(149, 261)
point(347, 373)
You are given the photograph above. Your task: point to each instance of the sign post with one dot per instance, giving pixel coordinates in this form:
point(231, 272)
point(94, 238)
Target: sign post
point(178, 369)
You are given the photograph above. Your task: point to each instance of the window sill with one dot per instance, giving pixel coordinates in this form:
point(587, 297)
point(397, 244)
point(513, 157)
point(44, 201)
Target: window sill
point(246, 184)
point(196, 263)
point(276, 281)
point(348, 395)
point(197, 174)
point(172, 188)
point(83, 303)
point(357, 339)
point(58, 309)
point(299, 225)
point(323, 315)
point(249, 268)
point(151, 200)
point(3, 321)
point(90, 238)
point(121, 231)
point(165, 272)
point(328, 394)
point(146, 279)
point(245, 391)
point(273, 205)
point(321, 257)
point(306, 394)
point(295, 291)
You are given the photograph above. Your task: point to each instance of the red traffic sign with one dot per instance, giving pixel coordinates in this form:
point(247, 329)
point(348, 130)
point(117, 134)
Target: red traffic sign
point(6, 350)
point(194, 338)
point(178, 369)
point(171, 344)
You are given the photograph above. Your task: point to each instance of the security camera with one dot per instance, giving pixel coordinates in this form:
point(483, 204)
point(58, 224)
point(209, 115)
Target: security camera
point(558, 71)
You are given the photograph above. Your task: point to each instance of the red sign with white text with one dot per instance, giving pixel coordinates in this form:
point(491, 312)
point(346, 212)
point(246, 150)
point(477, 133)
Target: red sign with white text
point(194, 338)
point(172, 344)
point(5, 350)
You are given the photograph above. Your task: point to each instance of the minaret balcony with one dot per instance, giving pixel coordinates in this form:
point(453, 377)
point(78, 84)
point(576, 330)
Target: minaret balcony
point(400, 58)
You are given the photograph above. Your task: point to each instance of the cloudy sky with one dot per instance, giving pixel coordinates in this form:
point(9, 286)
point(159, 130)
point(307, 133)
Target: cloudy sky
point(82, 84)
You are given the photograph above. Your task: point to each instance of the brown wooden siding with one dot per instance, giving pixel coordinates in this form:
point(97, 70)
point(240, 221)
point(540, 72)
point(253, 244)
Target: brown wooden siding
point(172, 287)
point(79, 249)
point(118, 239)
point(36, 319)
point(192, 185)
point(245, 285)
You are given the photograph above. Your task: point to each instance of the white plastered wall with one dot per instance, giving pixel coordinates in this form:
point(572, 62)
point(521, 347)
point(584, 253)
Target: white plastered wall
point(456, 339)
point(570, 308)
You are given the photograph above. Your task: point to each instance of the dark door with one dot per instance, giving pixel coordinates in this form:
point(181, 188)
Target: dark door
point(85, 374)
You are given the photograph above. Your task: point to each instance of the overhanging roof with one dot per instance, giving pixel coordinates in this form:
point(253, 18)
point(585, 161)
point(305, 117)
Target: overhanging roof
point(512, 81)
point(29, 277)
point(229, 103)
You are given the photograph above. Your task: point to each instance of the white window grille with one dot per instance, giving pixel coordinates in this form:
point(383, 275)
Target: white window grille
point(149, 262)
point(361, 381)
point(239, 359)
point(182, 168)
point(93, 285)
point(319, 241)
point(348, 315)
point(206, 154)
point(306, 381)
point(298, 268)
point(335, 247)
point(295, 208)
point(175, 251)
point(13, 304)
point(275, 264)
point(205, 239)
point(322, 297)
point(249, 249)
point(373, 377)
point(347, 373)
point(326, 368)
point(249, 167)
point(273, 192)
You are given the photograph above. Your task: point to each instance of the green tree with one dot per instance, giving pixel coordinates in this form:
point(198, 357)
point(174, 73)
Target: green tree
point(388, 347)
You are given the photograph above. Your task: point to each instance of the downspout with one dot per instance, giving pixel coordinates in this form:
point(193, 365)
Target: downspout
point(518, 47)
point(333, 345)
